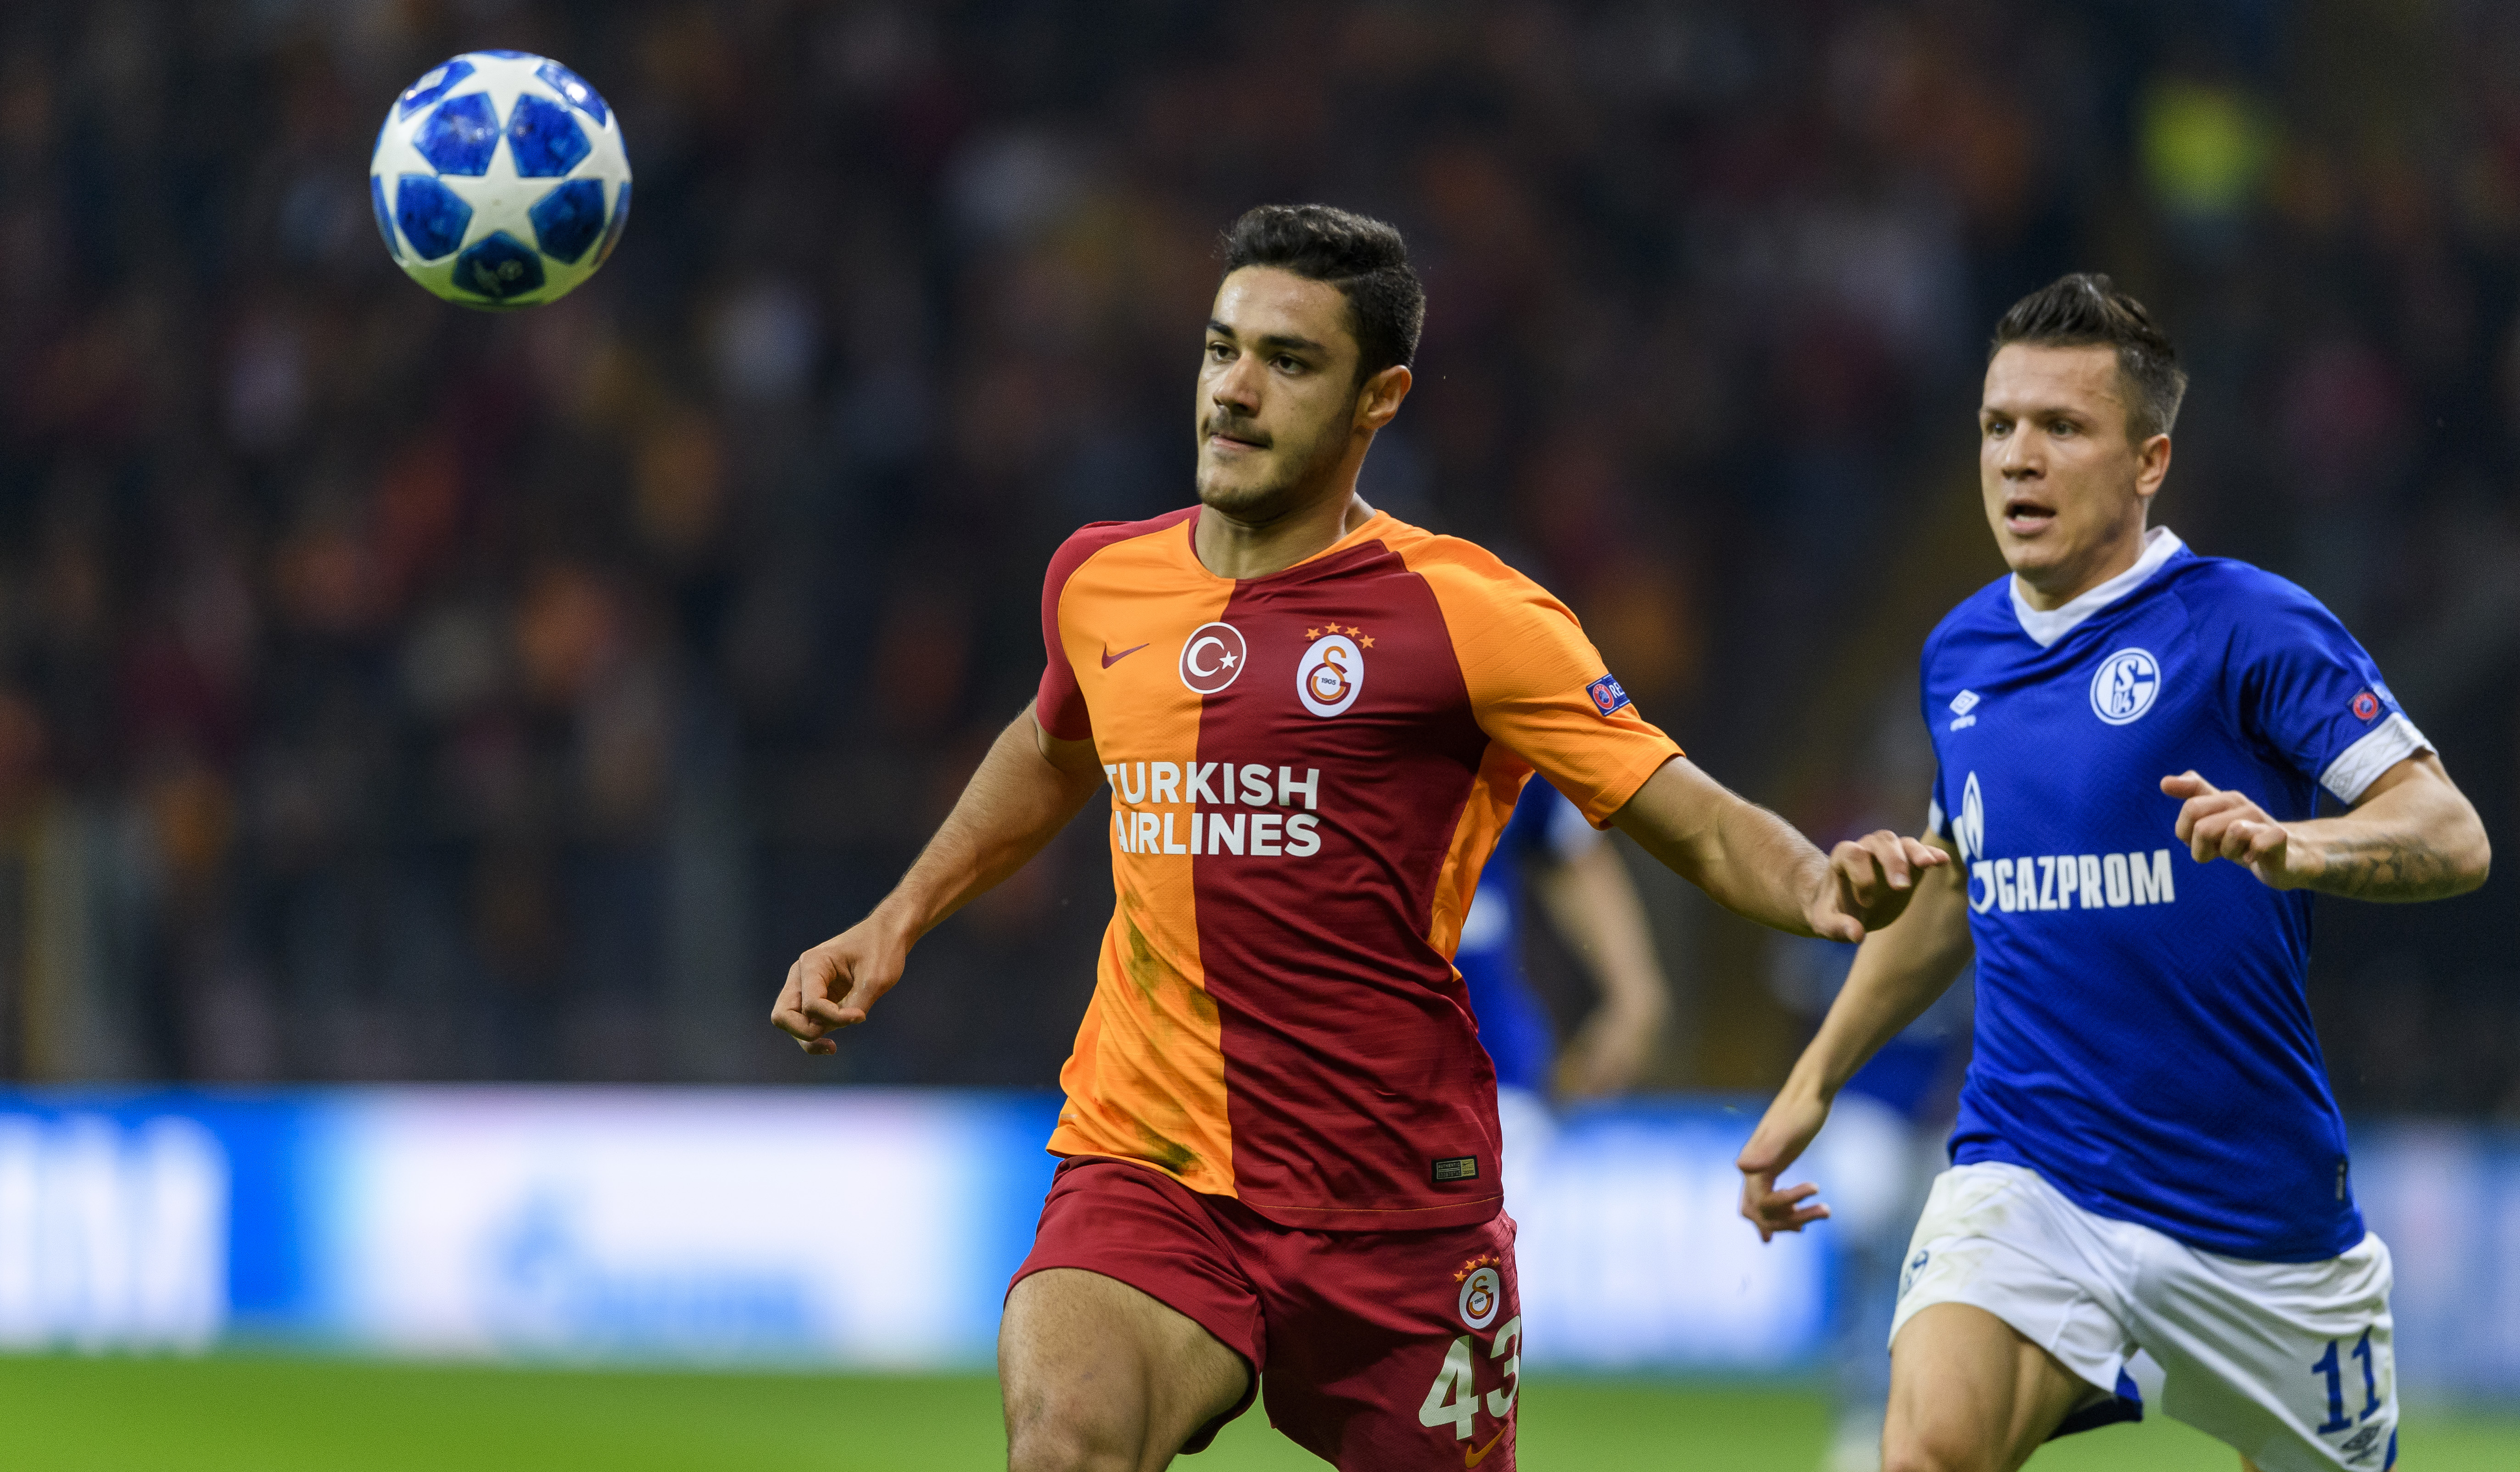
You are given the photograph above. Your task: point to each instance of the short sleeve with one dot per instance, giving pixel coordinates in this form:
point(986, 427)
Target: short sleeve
point(1060, 704)
point(1938, 819)
point(1541, 689)
point(2311, 692)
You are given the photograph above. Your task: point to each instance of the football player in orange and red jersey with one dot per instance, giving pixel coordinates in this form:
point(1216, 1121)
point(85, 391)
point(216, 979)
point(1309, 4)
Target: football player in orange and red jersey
point(1280, 1141)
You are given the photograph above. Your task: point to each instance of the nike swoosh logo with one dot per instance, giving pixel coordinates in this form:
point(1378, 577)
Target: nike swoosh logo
point(1109, 659)
point(1471, 1458)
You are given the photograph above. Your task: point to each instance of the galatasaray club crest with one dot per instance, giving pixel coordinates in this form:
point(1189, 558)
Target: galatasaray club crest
point(1212, 657)
point(1332, 673)
point(1482, 1290)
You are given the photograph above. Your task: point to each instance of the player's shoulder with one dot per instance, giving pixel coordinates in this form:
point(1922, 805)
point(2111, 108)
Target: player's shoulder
point(1460, 570)
point(2230, 584)
point(1094, 537)
point(1988, 610)
point(2224, 595)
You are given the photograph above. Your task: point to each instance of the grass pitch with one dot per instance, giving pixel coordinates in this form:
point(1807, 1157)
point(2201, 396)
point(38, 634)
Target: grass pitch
point(240, 1415)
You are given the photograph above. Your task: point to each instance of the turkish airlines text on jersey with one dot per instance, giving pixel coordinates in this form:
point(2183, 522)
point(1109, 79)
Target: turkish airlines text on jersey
point(1174, 785)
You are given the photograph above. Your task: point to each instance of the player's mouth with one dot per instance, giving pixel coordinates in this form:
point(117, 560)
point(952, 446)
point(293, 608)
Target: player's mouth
point(2027, 517)
point(1231, 437)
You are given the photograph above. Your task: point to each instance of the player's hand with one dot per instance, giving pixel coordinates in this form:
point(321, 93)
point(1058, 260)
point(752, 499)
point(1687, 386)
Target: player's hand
point(834, 985)
point(2218, 825)
point(1784, 1134)
point(1870, 881)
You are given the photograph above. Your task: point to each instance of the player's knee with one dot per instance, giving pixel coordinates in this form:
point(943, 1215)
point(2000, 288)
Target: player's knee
point(1931, 1448)
point(1051, 1442)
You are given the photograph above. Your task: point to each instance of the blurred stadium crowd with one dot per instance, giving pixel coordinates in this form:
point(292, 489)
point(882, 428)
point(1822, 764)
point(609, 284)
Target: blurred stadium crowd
point(392, 692)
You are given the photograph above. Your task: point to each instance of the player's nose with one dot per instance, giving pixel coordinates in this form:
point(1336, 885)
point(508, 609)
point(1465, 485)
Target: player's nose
point(1236, 386)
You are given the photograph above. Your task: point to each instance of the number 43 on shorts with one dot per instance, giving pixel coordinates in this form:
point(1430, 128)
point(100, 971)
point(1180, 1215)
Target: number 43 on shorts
point(1453, 1399)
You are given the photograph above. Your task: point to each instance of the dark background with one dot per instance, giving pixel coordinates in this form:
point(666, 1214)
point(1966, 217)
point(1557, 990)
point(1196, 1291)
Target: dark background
point(391, 691)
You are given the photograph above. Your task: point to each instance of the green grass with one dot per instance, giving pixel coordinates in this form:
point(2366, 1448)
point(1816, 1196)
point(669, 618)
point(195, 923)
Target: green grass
point(239, 1414)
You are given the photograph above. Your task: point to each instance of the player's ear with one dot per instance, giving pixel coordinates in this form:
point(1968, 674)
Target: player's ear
point(1378, 397)
point(2152, 463)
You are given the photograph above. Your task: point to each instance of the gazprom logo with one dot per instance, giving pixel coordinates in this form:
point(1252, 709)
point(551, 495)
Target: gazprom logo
point(1969, 831)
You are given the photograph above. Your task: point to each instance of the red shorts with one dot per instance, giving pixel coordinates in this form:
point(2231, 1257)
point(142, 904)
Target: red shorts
point(1394, 1351)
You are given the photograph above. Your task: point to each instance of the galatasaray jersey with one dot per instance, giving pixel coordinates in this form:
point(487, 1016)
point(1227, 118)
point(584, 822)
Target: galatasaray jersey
point(2142, 1037)
point(1307, 772)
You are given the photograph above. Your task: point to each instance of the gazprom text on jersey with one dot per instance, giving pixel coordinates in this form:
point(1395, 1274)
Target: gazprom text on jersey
point(2068, 882)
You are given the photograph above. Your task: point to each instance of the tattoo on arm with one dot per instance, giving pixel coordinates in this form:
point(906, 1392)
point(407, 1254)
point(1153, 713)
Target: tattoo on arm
point(2387, 867)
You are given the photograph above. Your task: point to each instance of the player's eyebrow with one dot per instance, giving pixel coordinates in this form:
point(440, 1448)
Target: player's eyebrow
point(2036, 410)
point(1270, 341)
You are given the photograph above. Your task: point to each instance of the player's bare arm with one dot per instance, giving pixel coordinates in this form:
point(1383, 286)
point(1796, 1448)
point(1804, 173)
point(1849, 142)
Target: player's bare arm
point(2412, 836)
point(1756, 865)
point(1591, 897)
point(1898, 974)
point(1025, 791)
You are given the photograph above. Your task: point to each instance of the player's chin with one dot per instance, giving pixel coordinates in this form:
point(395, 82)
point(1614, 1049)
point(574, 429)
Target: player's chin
point(1248, 494)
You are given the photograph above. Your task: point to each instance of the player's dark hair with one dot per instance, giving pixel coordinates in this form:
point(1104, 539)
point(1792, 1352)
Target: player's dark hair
point(2086, 310)
point(1364, 257)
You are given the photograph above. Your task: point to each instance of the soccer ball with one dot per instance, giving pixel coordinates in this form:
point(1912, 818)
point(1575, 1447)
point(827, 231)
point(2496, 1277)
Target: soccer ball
point(500, 180)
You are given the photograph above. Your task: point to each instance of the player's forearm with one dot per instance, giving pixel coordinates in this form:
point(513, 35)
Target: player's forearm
point(1899, 972)
point(2418, 841)
point(1747, 859)
point(1761, 868)
point(1015, 804)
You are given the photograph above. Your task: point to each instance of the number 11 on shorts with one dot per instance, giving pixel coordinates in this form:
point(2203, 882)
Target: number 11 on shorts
point(2334, 1367)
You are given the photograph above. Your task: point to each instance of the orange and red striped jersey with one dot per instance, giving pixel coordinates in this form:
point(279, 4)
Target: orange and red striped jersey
point(1308, 770)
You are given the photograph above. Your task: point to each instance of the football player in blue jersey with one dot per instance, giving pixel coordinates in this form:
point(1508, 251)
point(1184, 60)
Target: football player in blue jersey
point(2132, 740)
point(1549, 853)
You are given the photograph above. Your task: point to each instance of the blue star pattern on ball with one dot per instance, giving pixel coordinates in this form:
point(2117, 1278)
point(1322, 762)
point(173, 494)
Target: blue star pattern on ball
point(545, 138)
point(568, 219)
point(460, 136)
point(573, 86)
point(433, 219)
point(500, 267)
point(433, 84)
point(500, 180)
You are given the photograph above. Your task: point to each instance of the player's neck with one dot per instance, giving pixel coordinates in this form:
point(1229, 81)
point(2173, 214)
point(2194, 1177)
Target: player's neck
point(2053, 588)
point(1233, 549)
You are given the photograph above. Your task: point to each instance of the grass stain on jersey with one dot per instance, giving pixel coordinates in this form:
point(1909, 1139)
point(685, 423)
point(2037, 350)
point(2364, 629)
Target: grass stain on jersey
point(1171, 1154)
point(1143, 968)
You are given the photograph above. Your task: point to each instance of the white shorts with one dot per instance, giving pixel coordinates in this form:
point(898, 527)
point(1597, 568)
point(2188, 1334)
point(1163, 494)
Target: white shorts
point(2289, 1363)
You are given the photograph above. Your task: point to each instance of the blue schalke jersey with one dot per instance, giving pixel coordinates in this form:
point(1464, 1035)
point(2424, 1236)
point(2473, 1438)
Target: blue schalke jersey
point(1513, 1024)
point(2143, 1038)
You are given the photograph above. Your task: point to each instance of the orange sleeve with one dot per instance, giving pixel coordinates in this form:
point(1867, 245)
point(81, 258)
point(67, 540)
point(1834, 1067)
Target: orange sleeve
point(1538, 686)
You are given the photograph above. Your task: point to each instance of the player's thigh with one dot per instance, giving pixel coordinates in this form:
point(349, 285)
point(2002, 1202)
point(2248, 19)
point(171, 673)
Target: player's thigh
point(1097, 1375)
point(1396, 1352)
point(2292, 1363)
point(1968, 1394)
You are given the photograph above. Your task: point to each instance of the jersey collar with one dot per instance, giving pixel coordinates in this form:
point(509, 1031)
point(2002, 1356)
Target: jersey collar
point(2160, 545)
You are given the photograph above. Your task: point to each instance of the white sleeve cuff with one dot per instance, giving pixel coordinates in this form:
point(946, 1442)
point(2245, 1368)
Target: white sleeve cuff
point(1934, 817)
point(2359, 765)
